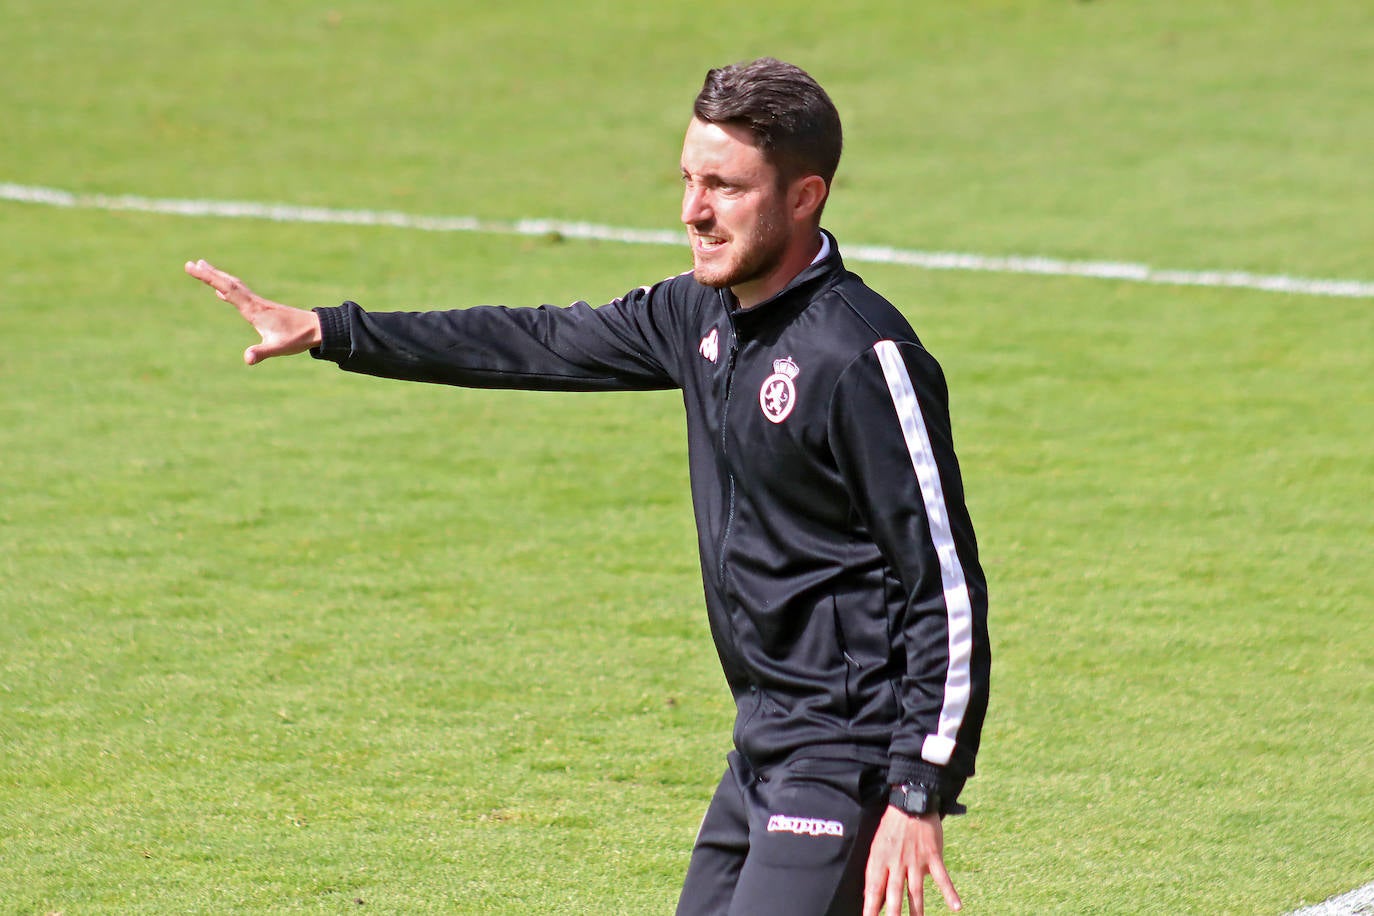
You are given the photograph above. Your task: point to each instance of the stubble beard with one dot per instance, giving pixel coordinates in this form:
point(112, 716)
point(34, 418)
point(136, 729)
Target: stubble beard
point(753, 256)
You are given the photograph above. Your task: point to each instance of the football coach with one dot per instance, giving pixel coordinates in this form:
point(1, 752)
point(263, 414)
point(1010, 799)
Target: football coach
point(841, 573)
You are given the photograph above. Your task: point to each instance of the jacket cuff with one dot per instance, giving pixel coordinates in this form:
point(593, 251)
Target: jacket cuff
point(336, 342)
point(906, 769)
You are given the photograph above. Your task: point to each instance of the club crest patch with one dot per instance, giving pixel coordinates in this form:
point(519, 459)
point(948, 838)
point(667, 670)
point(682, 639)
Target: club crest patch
point(778, 395)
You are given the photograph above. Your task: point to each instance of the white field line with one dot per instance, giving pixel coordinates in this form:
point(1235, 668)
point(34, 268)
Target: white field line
point(873, 254)
point(1359, 902)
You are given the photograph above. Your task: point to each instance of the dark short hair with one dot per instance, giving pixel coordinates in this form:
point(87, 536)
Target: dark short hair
point(792, 120)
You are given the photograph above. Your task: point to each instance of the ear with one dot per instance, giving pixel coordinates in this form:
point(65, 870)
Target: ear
point(808, 194)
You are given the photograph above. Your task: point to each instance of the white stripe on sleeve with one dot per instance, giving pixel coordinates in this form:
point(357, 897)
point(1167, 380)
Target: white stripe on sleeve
point(938, 747)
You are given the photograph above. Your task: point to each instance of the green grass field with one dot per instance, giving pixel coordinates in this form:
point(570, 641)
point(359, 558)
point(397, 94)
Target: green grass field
point(289, 640)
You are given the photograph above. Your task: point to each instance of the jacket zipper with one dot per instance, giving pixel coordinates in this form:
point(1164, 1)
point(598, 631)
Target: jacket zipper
point(724, 417)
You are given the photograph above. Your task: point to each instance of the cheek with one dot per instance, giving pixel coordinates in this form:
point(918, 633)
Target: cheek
point(767, 222)
point(746, 217)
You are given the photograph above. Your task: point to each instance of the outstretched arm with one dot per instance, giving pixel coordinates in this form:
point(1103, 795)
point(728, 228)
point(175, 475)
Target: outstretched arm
point(284, 330)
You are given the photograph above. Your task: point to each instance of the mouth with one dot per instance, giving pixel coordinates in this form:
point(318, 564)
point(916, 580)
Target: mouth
point(706, 244)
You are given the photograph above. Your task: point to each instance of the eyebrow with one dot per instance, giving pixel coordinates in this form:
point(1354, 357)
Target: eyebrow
point(716, 178)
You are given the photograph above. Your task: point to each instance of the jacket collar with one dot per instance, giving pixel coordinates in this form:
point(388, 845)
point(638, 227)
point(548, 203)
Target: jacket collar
point(787, 300)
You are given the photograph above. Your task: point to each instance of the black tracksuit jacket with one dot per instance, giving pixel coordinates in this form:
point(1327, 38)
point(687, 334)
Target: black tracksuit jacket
point(842, 581)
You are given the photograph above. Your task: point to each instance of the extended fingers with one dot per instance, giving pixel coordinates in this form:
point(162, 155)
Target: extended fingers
point(875, 890)
point(204, 271)
point(883, 893)
point(946, 885)
point(894, 898)
point(226, 284)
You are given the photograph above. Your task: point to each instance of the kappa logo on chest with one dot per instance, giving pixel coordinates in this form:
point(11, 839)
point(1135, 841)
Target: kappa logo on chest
point(778, 394)
point(710, 346)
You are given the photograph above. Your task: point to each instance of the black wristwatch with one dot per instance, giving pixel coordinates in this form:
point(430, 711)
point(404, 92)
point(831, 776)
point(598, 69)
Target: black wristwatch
point(915, 799)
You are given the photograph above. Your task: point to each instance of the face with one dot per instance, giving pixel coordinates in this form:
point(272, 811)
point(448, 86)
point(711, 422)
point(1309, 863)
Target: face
point(738, 218)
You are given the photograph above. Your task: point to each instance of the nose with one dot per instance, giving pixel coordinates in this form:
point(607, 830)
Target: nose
point(695, 206)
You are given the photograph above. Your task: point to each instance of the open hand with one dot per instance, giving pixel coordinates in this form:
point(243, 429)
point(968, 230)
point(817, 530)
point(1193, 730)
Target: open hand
point(284, 330)
point(904, 851)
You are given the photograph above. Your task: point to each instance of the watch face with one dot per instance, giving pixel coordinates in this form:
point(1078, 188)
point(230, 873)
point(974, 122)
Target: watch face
point(913, 799)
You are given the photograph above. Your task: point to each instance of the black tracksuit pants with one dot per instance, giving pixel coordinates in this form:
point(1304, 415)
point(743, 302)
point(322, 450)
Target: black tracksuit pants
point(791, 840)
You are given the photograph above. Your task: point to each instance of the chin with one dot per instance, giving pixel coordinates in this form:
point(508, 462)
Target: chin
point(715, 279)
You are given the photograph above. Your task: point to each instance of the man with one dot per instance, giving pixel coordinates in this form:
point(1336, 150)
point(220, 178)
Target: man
point(841, 573)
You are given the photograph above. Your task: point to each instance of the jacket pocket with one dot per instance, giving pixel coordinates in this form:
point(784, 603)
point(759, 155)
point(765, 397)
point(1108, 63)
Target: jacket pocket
point(851, 667)
point(813, 811)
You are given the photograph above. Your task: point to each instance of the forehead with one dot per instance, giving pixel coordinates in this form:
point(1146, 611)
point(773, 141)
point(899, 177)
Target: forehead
point(722, 149)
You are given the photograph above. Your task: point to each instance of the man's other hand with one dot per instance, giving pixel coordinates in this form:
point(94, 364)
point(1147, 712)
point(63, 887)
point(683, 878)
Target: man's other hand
point(904, 851)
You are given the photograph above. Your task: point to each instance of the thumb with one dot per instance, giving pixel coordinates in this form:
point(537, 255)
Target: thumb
point(254, 355)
